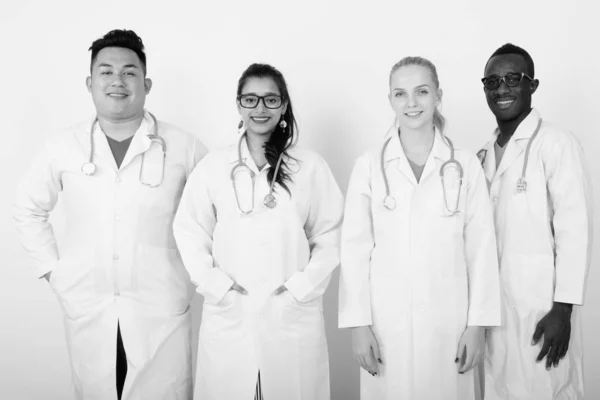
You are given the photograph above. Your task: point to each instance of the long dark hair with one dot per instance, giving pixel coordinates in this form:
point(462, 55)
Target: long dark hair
point(282, 138)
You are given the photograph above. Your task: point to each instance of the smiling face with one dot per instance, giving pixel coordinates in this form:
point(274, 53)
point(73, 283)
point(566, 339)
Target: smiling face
point(413, 96)
point(118, 85)
point(261, 120)
point(509, 103)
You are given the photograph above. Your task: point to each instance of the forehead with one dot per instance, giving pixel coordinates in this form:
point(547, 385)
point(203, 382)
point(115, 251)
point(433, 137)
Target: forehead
point(504, 63)
point(117, 56)
point(260, 86)
point(410, 76)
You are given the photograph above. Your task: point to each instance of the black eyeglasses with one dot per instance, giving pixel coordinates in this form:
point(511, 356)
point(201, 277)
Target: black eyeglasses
point(513, 80)
point(271, 101)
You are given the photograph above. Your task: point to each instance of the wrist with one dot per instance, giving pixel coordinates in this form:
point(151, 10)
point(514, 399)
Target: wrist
point(563, 307)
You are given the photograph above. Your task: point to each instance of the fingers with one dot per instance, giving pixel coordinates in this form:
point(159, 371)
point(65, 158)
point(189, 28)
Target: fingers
point(376, 353)
point(537, 335)
point(239, 288)
point(544, 351)
point(564, 349)
point(468, 361)
point(460, 351)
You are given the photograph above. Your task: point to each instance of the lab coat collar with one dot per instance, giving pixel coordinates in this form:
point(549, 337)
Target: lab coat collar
point(517, 143)
point(246, 157)
point(440, 152)
point(139, 143)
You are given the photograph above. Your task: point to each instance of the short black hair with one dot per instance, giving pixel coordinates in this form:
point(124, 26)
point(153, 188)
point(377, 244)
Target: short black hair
point(510, 48)
point(120, 38)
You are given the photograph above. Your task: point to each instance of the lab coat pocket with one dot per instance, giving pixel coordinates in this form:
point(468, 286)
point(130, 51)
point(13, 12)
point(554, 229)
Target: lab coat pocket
point(161, 279)
point(530, 283)
point(75, 282)
point(301, 320)
point(223, 321)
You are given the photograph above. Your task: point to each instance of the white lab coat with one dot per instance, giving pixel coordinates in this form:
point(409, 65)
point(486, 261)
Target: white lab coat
point(296, 244)
point(118, 260)
point(416, 274)
point(544, 246)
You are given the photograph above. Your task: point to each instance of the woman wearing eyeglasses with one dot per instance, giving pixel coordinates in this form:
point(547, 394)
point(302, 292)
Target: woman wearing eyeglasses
point(258, 228)
point(419, 275)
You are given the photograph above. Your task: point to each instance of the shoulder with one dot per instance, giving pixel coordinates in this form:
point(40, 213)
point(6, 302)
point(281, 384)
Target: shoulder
point(554, 135)
point(173, 133)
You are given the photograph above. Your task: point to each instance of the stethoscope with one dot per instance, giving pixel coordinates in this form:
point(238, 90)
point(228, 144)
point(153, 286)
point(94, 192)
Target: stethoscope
point(270, 201)
point(390, 203)
point(89, 168)
point(521, 182)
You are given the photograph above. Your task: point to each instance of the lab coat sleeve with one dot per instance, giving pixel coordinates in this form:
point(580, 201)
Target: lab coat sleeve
point(322, 230)
point(570, 195)
point(358, 242)
point(481, 253)
point(193, 228)
point(36, 197)
point(199, 150)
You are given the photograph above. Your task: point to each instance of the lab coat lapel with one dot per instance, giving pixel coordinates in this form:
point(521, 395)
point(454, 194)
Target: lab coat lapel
point(440, 153)
point(245, 155)
point(518, 142)
point(140, 142)
point(395, 153)
point(102, 152)
point(487, 157)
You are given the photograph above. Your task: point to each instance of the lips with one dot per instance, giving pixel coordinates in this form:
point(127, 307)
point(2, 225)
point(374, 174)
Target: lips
point(117, 95)
point(413, 114)
point(504, 102)
point(260, 120)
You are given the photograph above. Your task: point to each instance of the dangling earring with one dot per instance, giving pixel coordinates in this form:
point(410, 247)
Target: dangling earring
point(282, 124)
point(241, 127)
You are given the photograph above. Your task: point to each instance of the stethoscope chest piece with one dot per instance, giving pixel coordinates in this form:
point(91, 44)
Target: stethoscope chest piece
point(270, 201)
point(88, 168)
point(521, 185)
point(389, 202)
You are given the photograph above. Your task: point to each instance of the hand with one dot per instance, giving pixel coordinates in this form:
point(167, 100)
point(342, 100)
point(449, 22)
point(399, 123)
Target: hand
point(470, 348)
point(366, 349)
point(238, 288)
point(556, 328)
point(47, 276)
point(279, 290)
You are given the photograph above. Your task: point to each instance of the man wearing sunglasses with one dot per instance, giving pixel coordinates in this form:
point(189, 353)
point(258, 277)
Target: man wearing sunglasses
point(540, 191)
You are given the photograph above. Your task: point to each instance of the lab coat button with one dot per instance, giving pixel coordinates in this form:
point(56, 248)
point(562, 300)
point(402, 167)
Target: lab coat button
point(117, 179)
point(117, 294)
point(115, 257)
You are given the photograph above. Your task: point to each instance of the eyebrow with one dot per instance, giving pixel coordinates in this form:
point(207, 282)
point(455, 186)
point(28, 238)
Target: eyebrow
point(111, 66)
point(418, 87)
point(255, 94)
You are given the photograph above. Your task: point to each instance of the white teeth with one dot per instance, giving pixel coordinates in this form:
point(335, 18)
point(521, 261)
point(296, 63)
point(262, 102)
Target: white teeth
point(505, 102)
point(413, 114)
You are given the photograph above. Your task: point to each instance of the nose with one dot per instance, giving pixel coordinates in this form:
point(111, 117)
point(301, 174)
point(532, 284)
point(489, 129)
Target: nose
point(412, 100)
point(118, 81)
point(503, 88)
point(261, 105)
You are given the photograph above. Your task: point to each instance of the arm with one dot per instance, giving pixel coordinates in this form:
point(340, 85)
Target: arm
point(36, 197)
point(481, 253)
point(570, 195)
point(323, 233)
point(358, 242)
point(193, 229)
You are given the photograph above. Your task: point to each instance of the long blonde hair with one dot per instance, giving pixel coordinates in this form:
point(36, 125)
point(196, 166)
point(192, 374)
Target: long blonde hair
point(438, 119)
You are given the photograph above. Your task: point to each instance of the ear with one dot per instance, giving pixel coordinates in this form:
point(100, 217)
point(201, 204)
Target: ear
point(284, 108)
point(88, 83)
point(440, 94)
point(533, 86)
point(390, 100)
point(147, 85)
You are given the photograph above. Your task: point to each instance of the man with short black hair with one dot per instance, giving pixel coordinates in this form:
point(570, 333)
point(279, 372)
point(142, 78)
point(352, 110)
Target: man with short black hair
point(118, 276)
point(540, 190)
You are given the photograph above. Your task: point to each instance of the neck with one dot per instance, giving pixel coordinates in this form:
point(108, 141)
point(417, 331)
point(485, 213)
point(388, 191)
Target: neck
point(120, 130)
point(417, 140)
point(508, 128)
point(256, 147)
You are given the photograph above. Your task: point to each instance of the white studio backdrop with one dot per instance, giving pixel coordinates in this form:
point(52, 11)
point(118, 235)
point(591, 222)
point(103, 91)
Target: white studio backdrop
point(335, 55)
